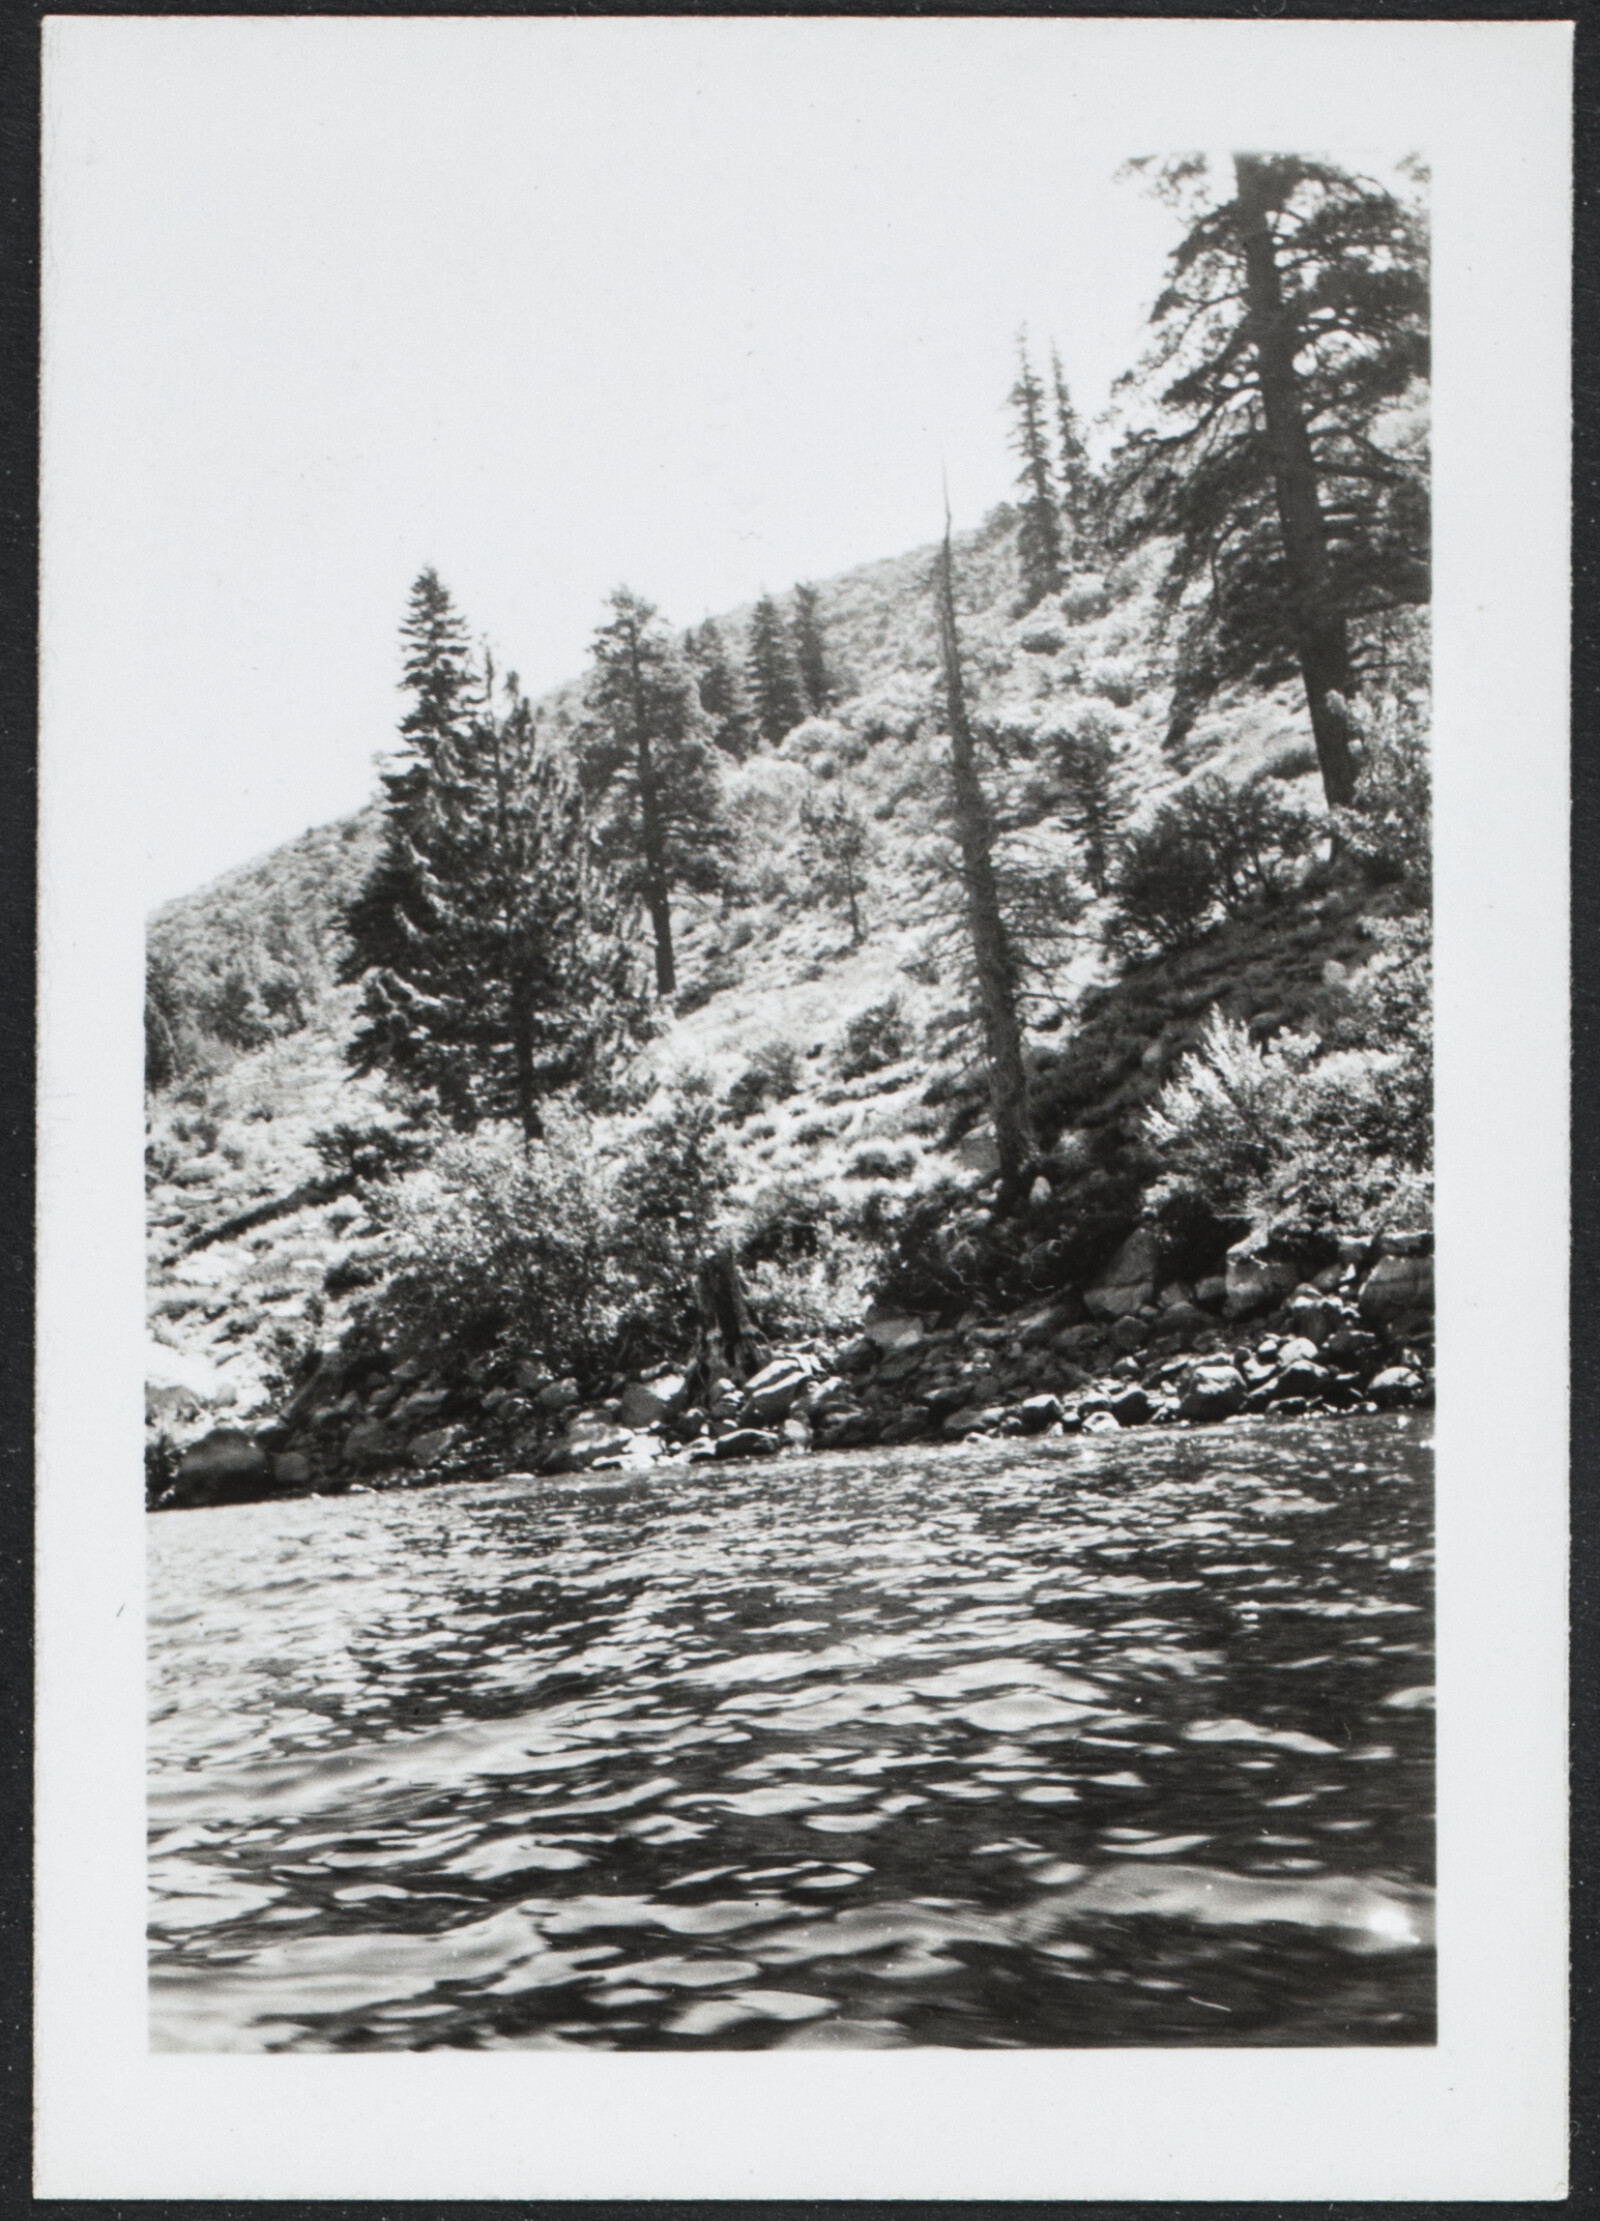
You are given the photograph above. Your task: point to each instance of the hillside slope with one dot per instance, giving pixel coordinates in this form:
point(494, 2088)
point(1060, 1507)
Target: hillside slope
point(876, 1101)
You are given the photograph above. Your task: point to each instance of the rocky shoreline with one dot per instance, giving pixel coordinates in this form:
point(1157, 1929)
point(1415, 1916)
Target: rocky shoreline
point(1293, 1321)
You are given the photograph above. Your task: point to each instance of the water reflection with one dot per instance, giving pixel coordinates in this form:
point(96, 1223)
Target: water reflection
point(1094, 1742)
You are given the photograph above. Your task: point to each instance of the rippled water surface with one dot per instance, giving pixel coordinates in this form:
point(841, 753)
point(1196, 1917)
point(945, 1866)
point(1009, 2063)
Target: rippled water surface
point(1100, 1742)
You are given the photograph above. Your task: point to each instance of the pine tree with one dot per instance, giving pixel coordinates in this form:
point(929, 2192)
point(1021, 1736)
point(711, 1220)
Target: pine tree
point(993, 951)
point(488, 941)
point(1074, 474)
point(722, 692)
point(1092, 797)
point(833, 853)
point(1039, 531)
point(646, 758)
point(1293, 323)
point(773, 677)
point(811, 653)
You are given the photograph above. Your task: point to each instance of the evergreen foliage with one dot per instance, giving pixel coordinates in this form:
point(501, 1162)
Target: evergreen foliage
point(489, 943)
point(646, 760)
point(810, 647)
point(1092, 795)
point(1080, 520)
point(1039, 547)
point(1215, 848)
point(833, 854)
point(722, 690)
point(1292, 325)
point(772, 674)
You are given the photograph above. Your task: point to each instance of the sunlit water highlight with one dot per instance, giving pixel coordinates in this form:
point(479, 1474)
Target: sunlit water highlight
point(1105, 1742)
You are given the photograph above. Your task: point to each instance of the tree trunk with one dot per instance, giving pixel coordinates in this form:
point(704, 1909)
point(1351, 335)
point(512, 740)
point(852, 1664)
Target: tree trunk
point(657, 887)
point(993, 955)
point(1321, 640)
point(727, 1342)
point(522, 1061)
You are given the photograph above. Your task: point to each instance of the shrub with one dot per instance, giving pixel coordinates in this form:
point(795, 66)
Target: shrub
point(772, 1076)
point(1333, 1136)
point(506, 1249)
point(370, 1152)
point(1214, 848)
point(1390, 825)
point(877, 1037)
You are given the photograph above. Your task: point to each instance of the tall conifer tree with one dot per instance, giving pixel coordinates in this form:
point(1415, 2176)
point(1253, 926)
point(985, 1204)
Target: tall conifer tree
point(646, 757)
point(1039, 533)
point(1074, 474)
point(811, 653)
point(488, 941)
point(776, 694)
point(722, 692)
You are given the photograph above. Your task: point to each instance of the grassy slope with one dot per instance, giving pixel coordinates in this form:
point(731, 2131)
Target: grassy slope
point(772, 966)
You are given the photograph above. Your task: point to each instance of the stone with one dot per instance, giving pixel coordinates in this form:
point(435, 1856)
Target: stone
point(530, 1376)
point(1038, 1412)
point(1300, 1378)
point(975, 1420)
point(1350, 1345)
point(1394, 1387)
point(1100, 1422)
point(1296, 1350)
point(796, 1434)
point(1175, 1294)
point(1128, 1280)
point(421, 1406)
point(1128, 1333)
point(1079, 1339)
point(823, 1396)
point(1397, 1292)
point(1255, 1281)
point(1211, 1293)
point(646, 1403)
point(428, 1449)
point(1126, 1368)
point(291, 1469)
point(891, 1330)
point(558, 1395)
point(226, 1457)
point(849, 1430)
point(1355, 1249)
point(371, 1446)
point(1211, 1392)
point(1410, 1244)
point(748, 1442)
point(859, 1351)
point(772, 1392)
point(584, 1441)
point(910, 1424)
point(1313, 1316)
point(1184, 1319)
point(1131, 1408)
point(1034, 1329)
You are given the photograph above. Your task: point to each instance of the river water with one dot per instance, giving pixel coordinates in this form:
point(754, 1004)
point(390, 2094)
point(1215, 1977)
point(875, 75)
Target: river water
point(1113, 1741)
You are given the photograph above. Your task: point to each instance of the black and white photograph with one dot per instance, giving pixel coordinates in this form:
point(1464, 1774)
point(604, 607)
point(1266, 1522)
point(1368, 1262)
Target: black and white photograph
point(775, 689)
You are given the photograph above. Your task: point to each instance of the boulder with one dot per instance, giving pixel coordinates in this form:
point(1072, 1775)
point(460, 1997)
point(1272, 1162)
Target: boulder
point(1395, 1387)
point(849, 1430)
point(1038, 1412)
point(290, 1469)
point(584, 1441)
point(819, 1398)
point(1211, 1392)
point(1131, 1407)
point(1410, 1244)
point(772, 1392)
point(422, 1406)
point(371, 1446)
point(891, 1330)
point(1255, 1281)
point(1313, 1315)
point(1128, 1333)
point(1397, 1291)
point(796, 1434)
point(1300, 1378)
point(1128, 1281)
point(1035, 1328)
point(1077, 1341)
point(428, 1449)
point(1100, 1422)
point(858, 1352)
point(910, 1424)
point(974, 1420)
point(558, 1395)
point(646, 1403)
point(1211, 1293)
point(530, 1376)
point(225, 1458)
point(1296, 1350)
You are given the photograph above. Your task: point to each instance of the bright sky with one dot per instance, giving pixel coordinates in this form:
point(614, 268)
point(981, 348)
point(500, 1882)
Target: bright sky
point(700, 306)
